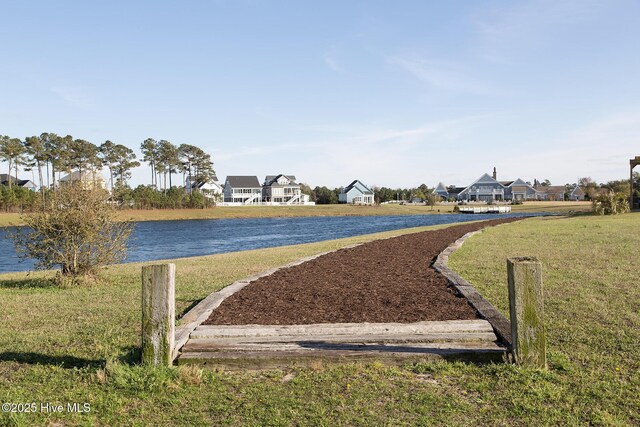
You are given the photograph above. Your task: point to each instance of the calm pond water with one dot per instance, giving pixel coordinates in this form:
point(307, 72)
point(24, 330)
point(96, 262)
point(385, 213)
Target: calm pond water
point(154, 240)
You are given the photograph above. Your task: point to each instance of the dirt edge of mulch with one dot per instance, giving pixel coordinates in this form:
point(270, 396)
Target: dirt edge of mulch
point(384, 281)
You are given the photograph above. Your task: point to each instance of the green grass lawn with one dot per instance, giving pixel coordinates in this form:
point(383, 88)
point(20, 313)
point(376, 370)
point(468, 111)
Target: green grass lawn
point(80, 344)
point(318, 210)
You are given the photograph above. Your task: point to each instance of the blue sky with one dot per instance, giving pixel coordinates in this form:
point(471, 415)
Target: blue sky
point(394, 93)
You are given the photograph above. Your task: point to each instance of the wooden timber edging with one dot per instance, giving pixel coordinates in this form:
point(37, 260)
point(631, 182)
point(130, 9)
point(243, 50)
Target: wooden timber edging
point(278, 346)
point(498, 321)
point(190, 330)
point(201, 312)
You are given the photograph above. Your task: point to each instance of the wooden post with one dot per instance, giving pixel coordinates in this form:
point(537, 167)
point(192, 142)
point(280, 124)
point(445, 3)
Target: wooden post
point(526, 306)
point(158, 314)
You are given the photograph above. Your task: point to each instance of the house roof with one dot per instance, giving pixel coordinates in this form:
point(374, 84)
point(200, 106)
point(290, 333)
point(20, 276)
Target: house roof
point(4, 180)
point(6, 177)
point(520, 182)
point(550, 189)
point(484, 179)
point(353, 184)
point(270, 179)
point(76, 176)
point(243, 181)
point(440, 187)
point(509, 183)
point(200, 184)
point(578, 191)
point(456, 190)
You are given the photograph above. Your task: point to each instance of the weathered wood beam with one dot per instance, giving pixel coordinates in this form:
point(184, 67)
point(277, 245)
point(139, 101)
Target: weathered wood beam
point(158, 314)
point(337, 329)
point(526, 304)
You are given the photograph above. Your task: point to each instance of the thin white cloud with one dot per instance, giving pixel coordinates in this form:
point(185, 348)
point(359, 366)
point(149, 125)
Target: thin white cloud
point(443, 75)
point(74, 96)
point(331, 62)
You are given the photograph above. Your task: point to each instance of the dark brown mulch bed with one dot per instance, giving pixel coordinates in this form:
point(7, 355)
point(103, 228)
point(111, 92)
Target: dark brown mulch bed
point(383, 281)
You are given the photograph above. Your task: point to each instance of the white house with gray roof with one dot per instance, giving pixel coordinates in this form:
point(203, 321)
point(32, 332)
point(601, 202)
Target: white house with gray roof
point(356, 193)
point(277, 190)
point(281, 189)
point(210, 188)
point(242, 190)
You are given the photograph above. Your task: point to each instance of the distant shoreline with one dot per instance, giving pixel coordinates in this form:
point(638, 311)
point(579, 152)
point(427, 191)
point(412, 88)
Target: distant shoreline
point(13, 219)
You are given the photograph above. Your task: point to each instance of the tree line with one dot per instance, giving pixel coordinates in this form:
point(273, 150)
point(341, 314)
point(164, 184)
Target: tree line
point(49, 155)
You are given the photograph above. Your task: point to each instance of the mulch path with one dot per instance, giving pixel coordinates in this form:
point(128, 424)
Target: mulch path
point(383, 281)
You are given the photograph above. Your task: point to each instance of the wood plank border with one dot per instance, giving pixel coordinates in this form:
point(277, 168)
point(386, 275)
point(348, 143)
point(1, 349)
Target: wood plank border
point(498, 321)
point(201, 312)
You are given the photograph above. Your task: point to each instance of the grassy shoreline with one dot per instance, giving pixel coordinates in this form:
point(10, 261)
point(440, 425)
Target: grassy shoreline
point(8, 219)
point(79, 345)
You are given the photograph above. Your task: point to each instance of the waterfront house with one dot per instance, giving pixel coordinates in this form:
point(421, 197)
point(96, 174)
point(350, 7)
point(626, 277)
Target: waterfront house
point(520, 190)
point(487, 188)
point(24, 183)
point(550, 192)
point(281, 189)
point(356, 193)
point(89, 179)
point(484, 189)
point(448, 193)
point(210, 188)
point(577, 193)
point(242, 189)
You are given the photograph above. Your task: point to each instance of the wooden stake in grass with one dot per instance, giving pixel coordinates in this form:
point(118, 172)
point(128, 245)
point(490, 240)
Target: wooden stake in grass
point(526, 306)
point(158, 314)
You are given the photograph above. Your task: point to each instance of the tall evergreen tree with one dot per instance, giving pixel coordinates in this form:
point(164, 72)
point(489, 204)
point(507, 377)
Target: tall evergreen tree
point(125, 160)
point(37, 153)
point(167, 156)
point(149, 149)
point(106, 151)
point(13, 151)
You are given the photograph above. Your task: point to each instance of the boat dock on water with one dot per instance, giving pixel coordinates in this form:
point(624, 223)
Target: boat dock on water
point(484, 209)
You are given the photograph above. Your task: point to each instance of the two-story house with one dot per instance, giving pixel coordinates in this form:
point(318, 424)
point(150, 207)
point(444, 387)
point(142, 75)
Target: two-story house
point(91, 179)
point(488, 189)
point(210, 188)
point(484, 189)
point(520, 190)
point(242, 189)
point(281, 189)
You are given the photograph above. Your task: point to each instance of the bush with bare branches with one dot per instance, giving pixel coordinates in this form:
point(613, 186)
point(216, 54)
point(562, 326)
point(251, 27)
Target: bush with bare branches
point(76, 230)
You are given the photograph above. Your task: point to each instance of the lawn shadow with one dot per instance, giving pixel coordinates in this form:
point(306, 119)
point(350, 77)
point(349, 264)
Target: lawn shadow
point(67, 362)
point(129, 356)
point(132, 356)
point(29, 283)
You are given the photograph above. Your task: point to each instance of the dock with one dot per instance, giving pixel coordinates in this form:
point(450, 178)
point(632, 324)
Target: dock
point(484, 209)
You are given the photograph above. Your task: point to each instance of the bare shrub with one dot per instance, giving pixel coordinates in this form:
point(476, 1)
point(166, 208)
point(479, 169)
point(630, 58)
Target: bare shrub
point(76, 230)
